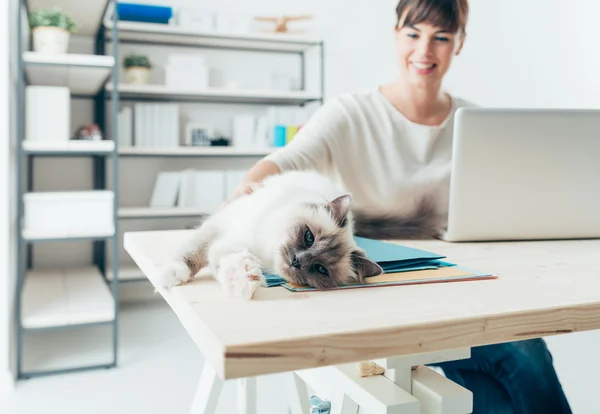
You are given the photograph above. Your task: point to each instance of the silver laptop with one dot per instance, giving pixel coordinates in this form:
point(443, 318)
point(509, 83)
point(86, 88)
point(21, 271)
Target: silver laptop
point(525, 174)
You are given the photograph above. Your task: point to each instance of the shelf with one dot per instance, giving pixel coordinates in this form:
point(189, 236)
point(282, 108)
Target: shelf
point(195, 152)
point(153, 33)
point(83, 74)
point(69, 148)
point(154, 212)
point(37, 236)
point(87, 14)
point(222, 95)
point(127, 274)
point(58, 298)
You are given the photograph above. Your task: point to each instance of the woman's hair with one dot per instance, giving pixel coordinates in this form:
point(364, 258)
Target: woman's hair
point(449, 14)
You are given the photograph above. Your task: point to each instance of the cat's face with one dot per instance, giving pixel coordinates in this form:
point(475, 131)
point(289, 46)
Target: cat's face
point(319, 248)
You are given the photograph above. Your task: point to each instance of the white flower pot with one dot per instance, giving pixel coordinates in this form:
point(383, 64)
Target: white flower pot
point(50, 39)
point(137, 74)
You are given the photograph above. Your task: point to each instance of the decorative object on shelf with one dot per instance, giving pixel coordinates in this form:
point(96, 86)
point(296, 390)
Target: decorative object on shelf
point(144, 13)
point(89, 132)
point(51, 29)
point(281, 23)
point(137, 68)
point(220, 142)
point(198, 134)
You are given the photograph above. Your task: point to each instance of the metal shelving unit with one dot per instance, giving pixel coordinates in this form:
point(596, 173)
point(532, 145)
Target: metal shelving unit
point(59, 299)
point(84, 297)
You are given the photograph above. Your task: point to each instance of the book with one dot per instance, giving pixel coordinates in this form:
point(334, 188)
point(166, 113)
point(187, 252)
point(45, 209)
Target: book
point(402, 265)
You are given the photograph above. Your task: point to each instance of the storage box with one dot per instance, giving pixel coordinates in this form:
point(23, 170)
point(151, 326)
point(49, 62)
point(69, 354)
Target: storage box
point(68, 214)
point(47, 113)
point(189, 71)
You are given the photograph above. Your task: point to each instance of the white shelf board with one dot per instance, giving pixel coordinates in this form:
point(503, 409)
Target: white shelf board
point(62, 297)
point(33, 234)
point(88, 14)
point(152, 212)
point(82, 74)
point(173, 35)
point(69, 147)
point(126, 273)
point(225, 95)
point(215, 151)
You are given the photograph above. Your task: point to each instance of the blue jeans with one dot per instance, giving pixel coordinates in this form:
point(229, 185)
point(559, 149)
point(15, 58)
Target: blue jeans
point(510, 378)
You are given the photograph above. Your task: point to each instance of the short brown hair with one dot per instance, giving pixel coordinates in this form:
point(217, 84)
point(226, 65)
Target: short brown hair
point(448, 14)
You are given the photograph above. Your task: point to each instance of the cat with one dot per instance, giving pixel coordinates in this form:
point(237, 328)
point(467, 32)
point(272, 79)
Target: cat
point(297, 224)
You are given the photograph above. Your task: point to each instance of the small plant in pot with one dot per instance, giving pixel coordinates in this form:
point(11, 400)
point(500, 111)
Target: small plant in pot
point(137, 68)
point(51, 30)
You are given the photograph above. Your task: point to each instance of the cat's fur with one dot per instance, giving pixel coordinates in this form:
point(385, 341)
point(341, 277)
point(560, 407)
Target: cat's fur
point(298, 225)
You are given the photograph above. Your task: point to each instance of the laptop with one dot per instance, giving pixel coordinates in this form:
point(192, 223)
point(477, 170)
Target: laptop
point(524, 174)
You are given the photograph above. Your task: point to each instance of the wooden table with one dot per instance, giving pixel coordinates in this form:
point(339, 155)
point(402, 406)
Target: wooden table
point(544, 288)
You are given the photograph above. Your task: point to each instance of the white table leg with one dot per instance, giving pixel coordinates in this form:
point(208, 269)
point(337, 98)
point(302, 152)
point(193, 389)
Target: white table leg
point(247, 391)
point(400, 390)
point(438, 395)
point(208, 392)
point(342, 404)
point(296, 393)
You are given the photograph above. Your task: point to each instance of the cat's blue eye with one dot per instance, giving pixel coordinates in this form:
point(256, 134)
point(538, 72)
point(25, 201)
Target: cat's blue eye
point(309, 238)
point(321, 269)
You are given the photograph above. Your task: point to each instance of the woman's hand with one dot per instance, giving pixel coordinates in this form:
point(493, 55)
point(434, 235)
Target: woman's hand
point(255, 175)
point(242, 189)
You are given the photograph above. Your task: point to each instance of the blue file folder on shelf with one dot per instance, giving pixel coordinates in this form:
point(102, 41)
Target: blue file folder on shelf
point(145, 13)
point(410, 264)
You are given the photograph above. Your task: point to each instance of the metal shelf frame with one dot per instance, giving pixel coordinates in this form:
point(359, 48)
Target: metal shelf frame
point(101, 162)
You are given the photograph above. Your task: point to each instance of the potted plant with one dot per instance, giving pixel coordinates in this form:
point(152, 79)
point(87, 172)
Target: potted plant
point(137, 68)
point(51, 29)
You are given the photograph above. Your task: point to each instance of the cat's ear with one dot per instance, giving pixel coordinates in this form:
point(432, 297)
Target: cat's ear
point(363, 266)
point(339, 208)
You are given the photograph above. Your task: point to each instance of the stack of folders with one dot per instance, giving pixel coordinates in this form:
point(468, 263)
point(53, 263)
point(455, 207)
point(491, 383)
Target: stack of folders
point(402, 265)
point(204, 190)
point(149, 125)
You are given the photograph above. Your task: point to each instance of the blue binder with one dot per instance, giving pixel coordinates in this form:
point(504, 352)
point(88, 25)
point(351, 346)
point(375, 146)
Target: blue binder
point(145, 13)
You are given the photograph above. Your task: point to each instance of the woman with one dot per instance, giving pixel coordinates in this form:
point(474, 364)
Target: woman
point(391, 148)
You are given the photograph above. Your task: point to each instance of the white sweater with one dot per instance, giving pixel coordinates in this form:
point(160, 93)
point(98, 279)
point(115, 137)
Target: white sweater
point(386, 161)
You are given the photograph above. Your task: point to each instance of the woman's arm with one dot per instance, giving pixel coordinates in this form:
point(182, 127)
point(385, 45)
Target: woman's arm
point(310, 149)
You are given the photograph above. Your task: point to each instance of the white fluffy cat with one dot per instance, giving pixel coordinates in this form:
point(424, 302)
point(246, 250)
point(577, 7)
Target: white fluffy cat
point(297, 225)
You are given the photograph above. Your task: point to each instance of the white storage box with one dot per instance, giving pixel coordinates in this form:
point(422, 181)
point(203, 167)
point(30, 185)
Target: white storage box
point(189, 71)
point(47, 113)
point(68, 214)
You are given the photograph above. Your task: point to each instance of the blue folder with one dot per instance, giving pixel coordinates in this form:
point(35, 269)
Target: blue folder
point(145, 13)
point(391, 257)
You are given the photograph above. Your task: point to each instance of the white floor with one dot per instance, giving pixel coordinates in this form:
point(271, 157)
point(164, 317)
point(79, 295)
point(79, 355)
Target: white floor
point(159, 368)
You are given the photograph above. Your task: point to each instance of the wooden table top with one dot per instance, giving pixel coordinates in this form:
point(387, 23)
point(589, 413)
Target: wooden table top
point(544, 288)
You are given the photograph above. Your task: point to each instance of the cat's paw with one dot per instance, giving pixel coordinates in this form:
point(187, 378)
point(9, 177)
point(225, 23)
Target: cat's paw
point(240, 275)
point(173, 274)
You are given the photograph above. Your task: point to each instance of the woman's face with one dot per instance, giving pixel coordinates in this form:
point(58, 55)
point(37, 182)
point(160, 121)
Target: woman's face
point(425, 53)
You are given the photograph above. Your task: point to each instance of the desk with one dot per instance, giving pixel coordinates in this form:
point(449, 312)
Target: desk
point(544, 288)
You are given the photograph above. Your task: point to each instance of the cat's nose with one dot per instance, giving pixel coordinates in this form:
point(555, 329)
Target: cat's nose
point(296, 263)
